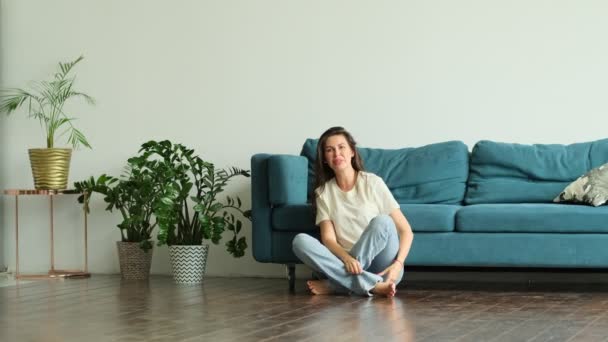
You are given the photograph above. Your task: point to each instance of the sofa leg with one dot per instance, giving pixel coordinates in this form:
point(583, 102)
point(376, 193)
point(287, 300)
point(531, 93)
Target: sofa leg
point(291, 277)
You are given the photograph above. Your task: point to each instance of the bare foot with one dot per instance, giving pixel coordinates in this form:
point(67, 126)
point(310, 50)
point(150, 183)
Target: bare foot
point(385, 289)
point(319, 287)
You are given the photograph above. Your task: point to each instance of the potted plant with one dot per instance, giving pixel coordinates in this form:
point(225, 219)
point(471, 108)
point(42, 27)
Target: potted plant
point(45, 101)
point(188, 209)
point(133, 195)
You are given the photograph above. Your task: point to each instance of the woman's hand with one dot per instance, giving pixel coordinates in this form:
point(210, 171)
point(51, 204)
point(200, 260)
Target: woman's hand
point(353, 266)
point(391, 273)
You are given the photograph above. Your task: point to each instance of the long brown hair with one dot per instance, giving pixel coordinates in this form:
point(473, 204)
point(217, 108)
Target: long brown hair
point(324, 173)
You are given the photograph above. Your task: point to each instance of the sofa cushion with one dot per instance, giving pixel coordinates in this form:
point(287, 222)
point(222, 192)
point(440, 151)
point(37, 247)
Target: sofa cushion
point(422, 217)
point(532, 218)
point(516, 173)
point(430, 217)
point(590, 188)
point(435, 173)
point(509, 250)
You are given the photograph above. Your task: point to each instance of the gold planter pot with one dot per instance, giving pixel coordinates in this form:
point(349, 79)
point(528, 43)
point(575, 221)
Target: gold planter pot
point(50, 167)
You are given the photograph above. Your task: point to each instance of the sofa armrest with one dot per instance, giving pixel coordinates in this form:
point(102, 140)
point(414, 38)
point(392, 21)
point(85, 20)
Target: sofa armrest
point(260, 209)
point(275, 180)
point(288, 179)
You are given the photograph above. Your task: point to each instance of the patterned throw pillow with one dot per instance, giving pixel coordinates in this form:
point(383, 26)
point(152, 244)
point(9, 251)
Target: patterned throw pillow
point(590, 188)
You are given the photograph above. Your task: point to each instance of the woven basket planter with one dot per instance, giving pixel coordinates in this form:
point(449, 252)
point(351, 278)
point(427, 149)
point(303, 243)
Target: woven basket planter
point(134, 261)
point(188, 263)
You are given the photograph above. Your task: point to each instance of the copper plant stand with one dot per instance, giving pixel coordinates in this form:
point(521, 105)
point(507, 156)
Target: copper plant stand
point(53, 273)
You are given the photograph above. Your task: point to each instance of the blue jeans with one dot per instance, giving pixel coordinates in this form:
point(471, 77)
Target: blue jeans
point(376, 250)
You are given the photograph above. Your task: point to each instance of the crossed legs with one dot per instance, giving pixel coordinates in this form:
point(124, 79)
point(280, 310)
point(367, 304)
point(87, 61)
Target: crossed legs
point(375, 250)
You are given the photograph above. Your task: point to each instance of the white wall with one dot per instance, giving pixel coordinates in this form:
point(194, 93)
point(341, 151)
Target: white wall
point(233, 78)
point(3, 143)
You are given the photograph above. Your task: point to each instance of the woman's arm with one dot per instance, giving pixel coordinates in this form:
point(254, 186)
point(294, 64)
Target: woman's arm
point(387, 203)
point(328, 238)
point(406, 236)
point(391, 273)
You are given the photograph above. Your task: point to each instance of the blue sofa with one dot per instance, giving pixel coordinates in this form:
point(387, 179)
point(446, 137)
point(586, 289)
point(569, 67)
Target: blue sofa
point(491, 207)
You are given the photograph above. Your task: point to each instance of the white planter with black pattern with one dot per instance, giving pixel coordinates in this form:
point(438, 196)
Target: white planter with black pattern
point(188, 263)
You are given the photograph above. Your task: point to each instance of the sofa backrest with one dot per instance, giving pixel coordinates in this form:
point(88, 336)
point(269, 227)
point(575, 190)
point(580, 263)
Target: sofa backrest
point(514, 173)
point(435, 173)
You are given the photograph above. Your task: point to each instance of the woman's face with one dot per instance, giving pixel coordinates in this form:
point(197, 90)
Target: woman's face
point(337, 153)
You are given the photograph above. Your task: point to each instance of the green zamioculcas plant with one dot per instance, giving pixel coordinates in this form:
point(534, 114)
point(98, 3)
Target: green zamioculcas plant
point(45, 101)
point(133, 195)
point(188, 209)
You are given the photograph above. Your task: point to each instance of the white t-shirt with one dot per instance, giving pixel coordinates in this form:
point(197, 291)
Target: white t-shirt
point(351, 211)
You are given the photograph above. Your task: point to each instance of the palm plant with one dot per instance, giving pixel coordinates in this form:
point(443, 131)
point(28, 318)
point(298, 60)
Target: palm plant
point(45, 102)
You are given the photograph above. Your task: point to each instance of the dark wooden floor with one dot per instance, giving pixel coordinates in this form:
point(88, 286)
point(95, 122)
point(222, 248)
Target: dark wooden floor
point(104, 308)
